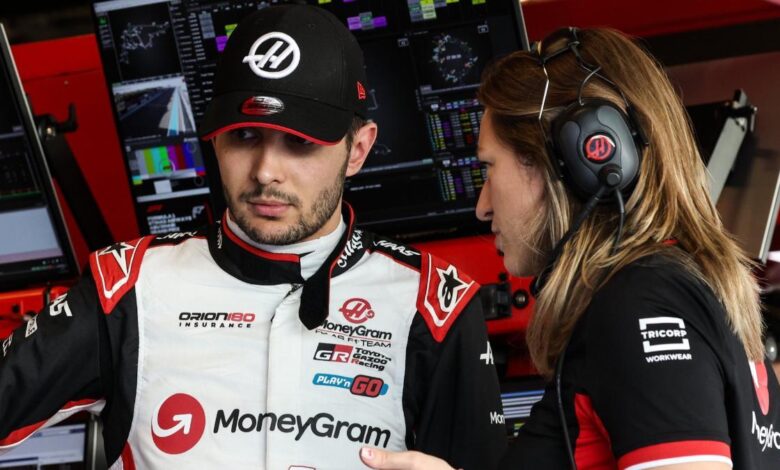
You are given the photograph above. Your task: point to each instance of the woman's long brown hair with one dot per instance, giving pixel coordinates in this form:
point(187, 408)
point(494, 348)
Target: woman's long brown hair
point(670, 201)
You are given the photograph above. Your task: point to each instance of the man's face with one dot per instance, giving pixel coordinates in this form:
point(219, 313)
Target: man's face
point(280, 188)
point(511, 199)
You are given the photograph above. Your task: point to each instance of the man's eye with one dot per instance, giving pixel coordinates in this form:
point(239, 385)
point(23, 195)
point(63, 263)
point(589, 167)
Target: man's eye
point(245, 134)
point(297, 140)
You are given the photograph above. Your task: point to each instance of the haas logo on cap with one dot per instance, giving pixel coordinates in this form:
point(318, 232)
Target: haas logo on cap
point(178, 424)
point(270, 52)
point(599, 147)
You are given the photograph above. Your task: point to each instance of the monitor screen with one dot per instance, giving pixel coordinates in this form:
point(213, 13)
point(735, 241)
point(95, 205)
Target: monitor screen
point(34, 245)
point(518, 397)
point(61, 447)
point(423, 62)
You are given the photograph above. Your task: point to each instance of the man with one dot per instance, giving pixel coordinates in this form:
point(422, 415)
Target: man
point(282, 338)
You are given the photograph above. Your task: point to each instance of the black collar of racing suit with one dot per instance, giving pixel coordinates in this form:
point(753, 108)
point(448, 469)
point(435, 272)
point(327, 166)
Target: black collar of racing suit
point(256, 266)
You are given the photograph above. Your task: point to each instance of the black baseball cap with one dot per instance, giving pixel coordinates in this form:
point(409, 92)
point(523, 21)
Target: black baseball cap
point(293, 68)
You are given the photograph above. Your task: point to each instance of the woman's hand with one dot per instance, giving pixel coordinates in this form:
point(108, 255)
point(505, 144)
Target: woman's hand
point(409, 460)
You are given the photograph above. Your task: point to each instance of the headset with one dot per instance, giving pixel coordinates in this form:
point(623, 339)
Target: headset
point(596, 150)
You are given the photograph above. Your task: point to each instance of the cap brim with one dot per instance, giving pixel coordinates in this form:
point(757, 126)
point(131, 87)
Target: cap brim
point(312, 120)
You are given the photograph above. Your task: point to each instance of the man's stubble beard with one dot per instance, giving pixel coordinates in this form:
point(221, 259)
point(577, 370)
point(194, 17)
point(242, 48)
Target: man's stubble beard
point(323, 207)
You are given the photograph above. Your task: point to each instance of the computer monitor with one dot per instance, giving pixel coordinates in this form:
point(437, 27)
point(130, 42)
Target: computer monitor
point(518, 397)
point(423, 62)
point(34, 243)
point(63, 447)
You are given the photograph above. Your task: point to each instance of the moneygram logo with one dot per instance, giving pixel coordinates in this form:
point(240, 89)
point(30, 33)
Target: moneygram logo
point(178, 424)
point(322, 425)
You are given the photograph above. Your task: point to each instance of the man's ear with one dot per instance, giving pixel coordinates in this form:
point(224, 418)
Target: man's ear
point(361, 144)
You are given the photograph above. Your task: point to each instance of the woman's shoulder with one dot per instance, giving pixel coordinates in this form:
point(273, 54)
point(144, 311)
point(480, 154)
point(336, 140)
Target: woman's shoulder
point(656, 288)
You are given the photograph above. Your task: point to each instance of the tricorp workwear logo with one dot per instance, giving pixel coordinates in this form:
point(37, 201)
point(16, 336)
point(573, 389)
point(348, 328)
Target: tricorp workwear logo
point(178, 424)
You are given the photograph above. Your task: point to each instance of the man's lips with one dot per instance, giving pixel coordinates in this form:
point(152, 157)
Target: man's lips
point(269, 208)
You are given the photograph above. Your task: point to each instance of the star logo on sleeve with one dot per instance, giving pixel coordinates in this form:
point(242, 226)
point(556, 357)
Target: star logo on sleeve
point(450, 288)
point(119, 252)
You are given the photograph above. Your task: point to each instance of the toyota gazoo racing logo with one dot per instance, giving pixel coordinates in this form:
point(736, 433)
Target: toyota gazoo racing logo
point(178, 424)
point(270, 52)
point(357, 310)
point(216, 320)
point(361, 385)
point(599, 147)
point(351, 355)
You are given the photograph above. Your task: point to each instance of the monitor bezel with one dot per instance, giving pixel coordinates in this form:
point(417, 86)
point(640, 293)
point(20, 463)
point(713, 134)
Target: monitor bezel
point(38, 157)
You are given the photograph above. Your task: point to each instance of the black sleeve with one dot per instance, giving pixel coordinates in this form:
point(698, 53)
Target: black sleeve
point(50, 367)
point(652, 370)
point(451, 395)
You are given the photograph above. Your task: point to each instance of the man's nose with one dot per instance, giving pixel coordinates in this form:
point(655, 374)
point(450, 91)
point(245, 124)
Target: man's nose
point(268, 165)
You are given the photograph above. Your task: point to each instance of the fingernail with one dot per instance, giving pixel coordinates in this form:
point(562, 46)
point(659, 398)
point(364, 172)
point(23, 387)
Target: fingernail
point(367, 453)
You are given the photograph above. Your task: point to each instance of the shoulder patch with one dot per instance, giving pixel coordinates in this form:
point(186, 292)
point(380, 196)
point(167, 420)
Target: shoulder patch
point(115, 269)
point(444, 292)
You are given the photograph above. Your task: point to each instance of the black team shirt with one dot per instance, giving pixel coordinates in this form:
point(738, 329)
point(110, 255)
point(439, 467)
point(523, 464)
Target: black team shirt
point(654, 376)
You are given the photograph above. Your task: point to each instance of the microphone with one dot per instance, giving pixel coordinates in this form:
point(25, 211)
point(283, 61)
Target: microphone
point(541, 279)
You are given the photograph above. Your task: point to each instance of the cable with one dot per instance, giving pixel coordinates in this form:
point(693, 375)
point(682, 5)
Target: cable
point(561, 414)
point(621, 220)
point(541, 279)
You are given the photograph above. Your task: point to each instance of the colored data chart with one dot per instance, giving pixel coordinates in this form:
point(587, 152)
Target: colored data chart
point(164, 160)
point(366, 21)
point(462, 179)
point(423, 10)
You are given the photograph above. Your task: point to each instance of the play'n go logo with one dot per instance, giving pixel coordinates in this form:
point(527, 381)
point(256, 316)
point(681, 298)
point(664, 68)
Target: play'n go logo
point(178, 424)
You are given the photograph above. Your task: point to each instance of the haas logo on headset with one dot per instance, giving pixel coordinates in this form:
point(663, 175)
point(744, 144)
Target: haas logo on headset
point(599, 148)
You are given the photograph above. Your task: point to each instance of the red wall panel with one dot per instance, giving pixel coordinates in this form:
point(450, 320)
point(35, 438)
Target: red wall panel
point(643, 18)
point(57, 73)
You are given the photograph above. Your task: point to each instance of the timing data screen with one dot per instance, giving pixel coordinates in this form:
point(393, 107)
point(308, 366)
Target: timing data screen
point(423, 61)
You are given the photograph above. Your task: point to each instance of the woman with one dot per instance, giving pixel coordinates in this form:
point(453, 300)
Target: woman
point(647, 318)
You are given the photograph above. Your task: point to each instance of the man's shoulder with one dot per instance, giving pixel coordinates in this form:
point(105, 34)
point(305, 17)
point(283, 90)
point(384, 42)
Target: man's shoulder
point(398, 252)
point(115, 269)
point(443, 291)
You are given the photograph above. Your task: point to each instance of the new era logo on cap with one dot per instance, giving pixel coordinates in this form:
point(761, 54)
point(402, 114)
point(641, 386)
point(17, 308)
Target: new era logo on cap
point(277, 47)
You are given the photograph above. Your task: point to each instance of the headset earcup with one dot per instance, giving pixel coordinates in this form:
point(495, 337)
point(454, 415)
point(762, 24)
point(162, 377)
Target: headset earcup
point(589, 137)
